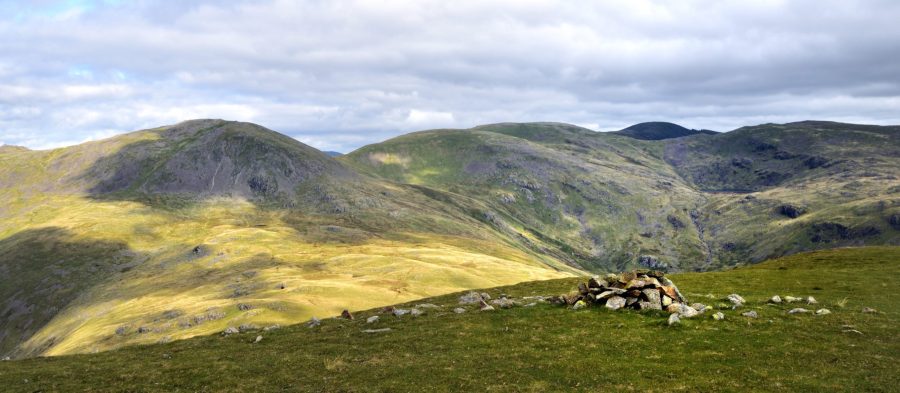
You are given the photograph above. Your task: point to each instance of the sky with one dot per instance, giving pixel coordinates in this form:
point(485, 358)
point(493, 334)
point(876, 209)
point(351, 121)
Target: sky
point(340, 74)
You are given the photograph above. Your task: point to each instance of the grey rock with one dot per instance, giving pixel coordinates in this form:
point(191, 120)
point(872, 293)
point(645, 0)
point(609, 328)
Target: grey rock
point(811, 300)
point(271, 327)
point(246, 327)
point(399, 312)
point(427, 305)
point(416, 312)
point(615, 303)
point(653, 298)
point(798, 310)
point(736, 300)
point(258, 339)
point(470, 298)
point(313, 322)
point(230, 330)
point(700, 307)
point(486, 307)
point(823, 311)
point(372, 319)
point(775, 299)
point(579, 305)
point(674, 319)
point(459, 310)
point(485, 296)
point(750, 314)
point(503, 302)
point(121, 330)
point(382, 330)
point(530, 305)
point(244, 306)
point(718, 316)
point(791, 299)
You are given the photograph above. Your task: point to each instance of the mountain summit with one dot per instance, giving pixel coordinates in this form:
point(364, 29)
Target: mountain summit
point(659, 130)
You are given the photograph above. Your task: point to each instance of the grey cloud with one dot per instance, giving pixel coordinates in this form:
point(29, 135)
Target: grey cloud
point(340, 74)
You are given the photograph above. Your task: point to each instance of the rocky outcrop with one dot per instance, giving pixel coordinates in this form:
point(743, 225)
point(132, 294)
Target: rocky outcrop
point(791, 211)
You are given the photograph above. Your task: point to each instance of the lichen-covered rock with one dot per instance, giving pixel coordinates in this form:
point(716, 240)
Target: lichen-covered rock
point(735, 300)
point(579, 305)
point(615, 302)
point(718, 316)
point(653, 299)
point(674, 319)
point(470, 298)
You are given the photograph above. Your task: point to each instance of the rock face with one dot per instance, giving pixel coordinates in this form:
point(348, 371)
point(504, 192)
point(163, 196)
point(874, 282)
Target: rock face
point(791, 211)
point(641, 290)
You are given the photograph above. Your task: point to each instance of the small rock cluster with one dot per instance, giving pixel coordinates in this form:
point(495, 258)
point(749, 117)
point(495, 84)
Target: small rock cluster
point(640, 290)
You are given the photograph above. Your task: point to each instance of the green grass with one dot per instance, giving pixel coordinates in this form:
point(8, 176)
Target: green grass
point(546, 348)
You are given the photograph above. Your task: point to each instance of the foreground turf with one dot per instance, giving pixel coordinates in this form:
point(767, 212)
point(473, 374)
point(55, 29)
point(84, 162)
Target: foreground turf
point(546, 347)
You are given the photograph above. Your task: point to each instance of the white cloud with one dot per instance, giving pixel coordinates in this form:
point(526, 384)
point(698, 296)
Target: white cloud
point(420, 118)
point(343, 73)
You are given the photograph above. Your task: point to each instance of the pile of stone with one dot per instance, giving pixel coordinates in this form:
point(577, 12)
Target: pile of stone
point(640, 290)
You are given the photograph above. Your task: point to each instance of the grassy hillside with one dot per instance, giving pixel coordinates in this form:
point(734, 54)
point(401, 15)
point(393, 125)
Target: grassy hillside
point(702, 202)
point(546, 347)
point(164, 234)
point(179, 231)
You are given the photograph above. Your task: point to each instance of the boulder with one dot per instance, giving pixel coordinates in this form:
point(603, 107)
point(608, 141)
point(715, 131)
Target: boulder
point(775, 299)
point(399, 312)
point(700, 307)
point(504, 302)
point(653, 299)
point(615, 302)
point(230, 330)
point(736, 300)
point(470, 298)
point(579, 305)
point(674, 319)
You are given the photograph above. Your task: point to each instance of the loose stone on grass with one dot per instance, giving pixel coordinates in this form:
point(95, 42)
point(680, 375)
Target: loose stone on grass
point(718, 316)
point(798, 310)
point(823, 311)
point(372, 319)
point(750, 314)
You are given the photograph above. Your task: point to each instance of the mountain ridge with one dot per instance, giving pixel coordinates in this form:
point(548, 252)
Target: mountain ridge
point(183, 229)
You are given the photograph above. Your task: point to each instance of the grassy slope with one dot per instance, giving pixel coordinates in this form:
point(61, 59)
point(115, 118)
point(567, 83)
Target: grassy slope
point(546, 348)
point(579, 195)
point(606, 199)
point(87, 264)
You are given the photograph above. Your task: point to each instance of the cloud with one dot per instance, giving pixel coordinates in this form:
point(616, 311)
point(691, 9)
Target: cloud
point(344, 73)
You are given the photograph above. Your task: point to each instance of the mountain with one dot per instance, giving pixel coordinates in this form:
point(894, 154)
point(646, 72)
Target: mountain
point(178, 231)
point(334, 153)
point(183, 230)
point(658, 130)
point(543, 347)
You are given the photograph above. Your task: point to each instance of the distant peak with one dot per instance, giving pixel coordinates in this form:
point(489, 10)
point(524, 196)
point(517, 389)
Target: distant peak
point(658, 130)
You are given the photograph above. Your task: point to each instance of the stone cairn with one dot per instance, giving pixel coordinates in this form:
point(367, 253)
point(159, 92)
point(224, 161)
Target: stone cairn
point(640, 290)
